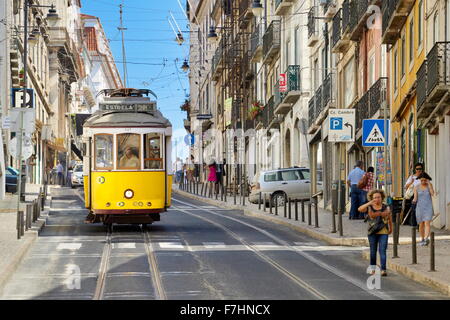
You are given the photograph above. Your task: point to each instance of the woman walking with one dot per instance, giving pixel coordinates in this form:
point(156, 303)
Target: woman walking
point(411, 183)
point(424, 207)
point(212, 176)
point(380, 227)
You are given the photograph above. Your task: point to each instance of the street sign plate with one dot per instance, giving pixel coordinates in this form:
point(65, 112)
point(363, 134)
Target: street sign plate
point(17, 98)
point(341, 125)
point(6, 124)
point(189, 139)
point(375, 133)
point(282, 82)
point(29, 120)
point(204, 116)
point(27, 147)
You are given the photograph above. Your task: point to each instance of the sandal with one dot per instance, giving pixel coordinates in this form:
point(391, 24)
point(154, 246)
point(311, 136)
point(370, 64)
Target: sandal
point(384, 273)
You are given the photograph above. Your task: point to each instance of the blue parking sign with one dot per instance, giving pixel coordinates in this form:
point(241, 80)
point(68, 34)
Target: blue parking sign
point(336, 123)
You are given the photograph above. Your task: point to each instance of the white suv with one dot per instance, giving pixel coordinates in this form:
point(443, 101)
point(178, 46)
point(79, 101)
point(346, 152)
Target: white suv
point(293, 183)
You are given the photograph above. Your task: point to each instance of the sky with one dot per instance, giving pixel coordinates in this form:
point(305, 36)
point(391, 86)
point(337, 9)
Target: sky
point(154, 58)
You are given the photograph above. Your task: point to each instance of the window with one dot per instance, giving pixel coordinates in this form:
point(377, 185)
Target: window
point(403, 56)
point(435, 28)
point(411, 140)
point(153, 152)
point(306, 175)
point(395, 70)
point(296, 46)
point(103, 144)
point(349, 83)
point(372, 70)
point(288, 47)
point(128, 153)
point(403, 160)
point(271, 177)
point(420, 24)
point(411, 40)
point(316, 74)
point(291, 175)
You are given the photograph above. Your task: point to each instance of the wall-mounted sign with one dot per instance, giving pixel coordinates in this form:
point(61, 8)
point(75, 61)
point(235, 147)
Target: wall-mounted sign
point(282, 82)
point(341, 125)
point(204, 116)
point(136, 107)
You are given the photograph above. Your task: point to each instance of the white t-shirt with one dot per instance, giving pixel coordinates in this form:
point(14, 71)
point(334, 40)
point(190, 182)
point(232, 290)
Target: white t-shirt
point(413, 178)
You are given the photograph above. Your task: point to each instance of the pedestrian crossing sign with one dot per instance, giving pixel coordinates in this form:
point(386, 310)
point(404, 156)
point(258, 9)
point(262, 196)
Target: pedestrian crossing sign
point(375, 133)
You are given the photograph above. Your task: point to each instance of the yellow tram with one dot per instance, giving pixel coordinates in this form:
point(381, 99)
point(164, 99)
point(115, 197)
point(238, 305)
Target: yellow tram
point(127, 162)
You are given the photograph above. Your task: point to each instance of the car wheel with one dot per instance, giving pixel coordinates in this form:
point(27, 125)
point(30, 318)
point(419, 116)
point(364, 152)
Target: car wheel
point(278, 198)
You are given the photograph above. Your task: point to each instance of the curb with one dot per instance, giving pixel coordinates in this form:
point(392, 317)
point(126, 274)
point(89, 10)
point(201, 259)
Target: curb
point(401, 269)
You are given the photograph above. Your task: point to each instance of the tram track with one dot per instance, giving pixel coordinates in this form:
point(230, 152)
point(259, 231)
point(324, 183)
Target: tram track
point(153, 267)
point(319, 263)
point(297, 280)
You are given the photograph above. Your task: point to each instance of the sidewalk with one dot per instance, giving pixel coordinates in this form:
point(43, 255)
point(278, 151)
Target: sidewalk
point(355, 234)
point(13, 250)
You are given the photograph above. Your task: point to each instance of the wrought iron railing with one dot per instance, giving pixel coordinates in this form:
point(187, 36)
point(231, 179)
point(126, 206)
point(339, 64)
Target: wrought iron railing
point(345, 15)
point(243, 7)
point(327, 91)
point(327, 5)
point(371, 102)
point(388, 7)
point(318, 98)
point(255, 40)
point(422, 83)
point(312, 22)
point(268, 112)
point(311, 112)
point(217, 56)
point(278, 96)
point(337, 28)
point(293, 76)
point(438, 64)
point(272, 37)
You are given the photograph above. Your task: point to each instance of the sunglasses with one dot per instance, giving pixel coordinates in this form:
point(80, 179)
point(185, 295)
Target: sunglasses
point(419, 168)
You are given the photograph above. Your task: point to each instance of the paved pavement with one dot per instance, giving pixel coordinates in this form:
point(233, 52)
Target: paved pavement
point(13, 250)
point(354, 234)
point(197, 251)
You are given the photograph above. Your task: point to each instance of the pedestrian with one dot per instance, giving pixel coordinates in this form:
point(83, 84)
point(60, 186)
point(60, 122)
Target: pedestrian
point(424, 206)
point(366, 184)
point(356, 194)
point(380, 227)
point(178, 167)
point(412, 182)
point(59, 171)
point(212, 176)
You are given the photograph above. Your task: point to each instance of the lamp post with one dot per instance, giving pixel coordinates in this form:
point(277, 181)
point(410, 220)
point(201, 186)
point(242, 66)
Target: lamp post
point(52, 15)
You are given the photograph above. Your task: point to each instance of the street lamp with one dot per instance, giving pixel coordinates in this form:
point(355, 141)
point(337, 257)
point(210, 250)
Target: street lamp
point(185, 66)
point(51, 15)
point(257, 8)
point(212, 35)
point(179, 39)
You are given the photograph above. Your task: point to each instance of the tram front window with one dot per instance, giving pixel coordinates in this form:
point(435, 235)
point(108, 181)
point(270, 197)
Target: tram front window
point(153, 158)
point(103, 152)
point(128, 151)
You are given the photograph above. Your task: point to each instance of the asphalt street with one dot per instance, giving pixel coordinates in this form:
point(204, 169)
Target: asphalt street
point(195, 252)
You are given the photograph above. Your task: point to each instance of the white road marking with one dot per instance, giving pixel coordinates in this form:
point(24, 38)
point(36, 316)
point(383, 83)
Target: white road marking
point(124, 245)
point(307, 243)
point(69, 246)
point(171, 245)
point(214, 245)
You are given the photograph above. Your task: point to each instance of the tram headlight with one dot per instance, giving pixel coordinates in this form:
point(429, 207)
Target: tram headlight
point(108, 204)
point(140, 204)
point(121, 204)
point(129, 193)
point(149, 204)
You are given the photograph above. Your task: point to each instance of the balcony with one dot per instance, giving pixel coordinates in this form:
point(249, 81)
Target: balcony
point(271, 41)
point(245, 13)
point(246, 67)
point(250, 124)
point(433, 82)
point(371, 102)
point(256, 43)
point(339, 43)
point(313, 33)
point(187, 124)
point(293, 92)
point(395, 13)
point(217, 62)
point(270, 120)
point(282, 6)
point(323, 100)
point(359, 13)
point(329, 9)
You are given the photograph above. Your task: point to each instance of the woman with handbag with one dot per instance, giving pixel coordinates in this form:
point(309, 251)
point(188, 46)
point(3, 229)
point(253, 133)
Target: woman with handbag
point(380, 227)
point(424, 206)
point(410, 184)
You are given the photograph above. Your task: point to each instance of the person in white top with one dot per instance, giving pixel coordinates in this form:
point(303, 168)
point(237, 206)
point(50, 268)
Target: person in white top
point(411, 183)
point(418, 169)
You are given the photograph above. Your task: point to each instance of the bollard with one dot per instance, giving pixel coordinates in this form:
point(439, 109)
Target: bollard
point(333, 222)
point(432, 253)
point(340, 225)
point(289, 210)
point(303, 210)
point(18, 227)
point(28, 216)
point(285, 205)
point(201, 191)
point(309, 213)
point(395, 246)
point(225, 193)
point(34, 211)
point(38, 205)
point(243, 195)
point(276, 206)
point(296, 209)
point(22, 224)
point(43, 197)
point(270, 203)
point(265, 201)
point(259, 201)
point(414, 245)
point(316, 212)
point(221, 192)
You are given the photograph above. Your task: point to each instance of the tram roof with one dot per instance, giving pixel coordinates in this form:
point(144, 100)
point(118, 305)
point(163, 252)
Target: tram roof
point(127, 119)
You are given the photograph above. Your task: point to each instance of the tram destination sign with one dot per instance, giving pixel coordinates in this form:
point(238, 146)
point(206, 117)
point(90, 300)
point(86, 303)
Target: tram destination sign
point(136, 107)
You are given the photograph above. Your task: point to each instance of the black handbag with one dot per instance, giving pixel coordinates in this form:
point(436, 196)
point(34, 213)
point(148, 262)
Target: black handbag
point(375, 225)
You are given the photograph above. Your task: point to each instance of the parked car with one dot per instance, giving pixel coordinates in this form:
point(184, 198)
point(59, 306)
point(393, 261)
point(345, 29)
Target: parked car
point(77, 176)
point(293, 183)
point(12, 176)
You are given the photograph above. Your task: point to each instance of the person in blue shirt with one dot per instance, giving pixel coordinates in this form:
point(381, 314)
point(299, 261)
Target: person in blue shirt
point(357, 195)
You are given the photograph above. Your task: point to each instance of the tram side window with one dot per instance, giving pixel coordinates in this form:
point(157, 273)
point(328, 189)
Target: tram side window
point(103, 152)
point(153, 152)
point(128, 152)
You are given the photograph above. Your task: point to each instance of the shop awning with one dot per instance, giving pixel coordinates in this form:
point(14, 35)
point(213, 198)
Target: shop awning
point(76, 151)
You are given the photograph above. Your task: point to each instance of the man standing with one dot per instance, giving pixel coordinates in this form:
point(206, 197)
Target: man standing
point(356, 194)
point(59, 171)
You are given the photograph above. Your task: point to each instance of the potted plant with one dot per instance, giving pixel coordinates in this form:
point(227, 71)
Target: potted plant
point(255, 109)
point(186, 105)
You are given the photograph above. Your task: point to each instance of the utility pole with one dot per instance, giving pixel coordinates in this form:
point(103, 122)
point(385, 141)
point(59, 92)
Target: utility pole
point(124, 57)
